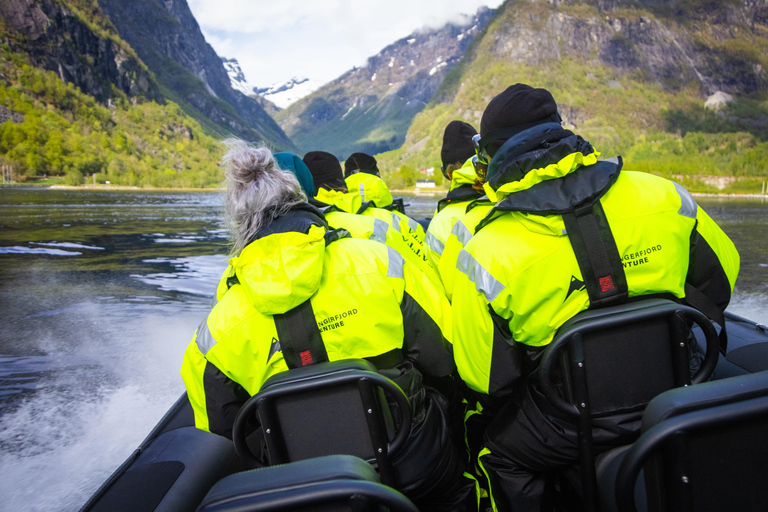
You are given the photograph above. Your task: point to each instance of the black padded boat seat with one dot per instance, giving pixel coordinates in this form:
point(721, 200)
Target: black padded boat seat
point(330, 408)
point(331, 483)
point(703, 448)
point(326, 409)
point(171, 475)
point(747, 347)
point(607, 467)
point(708, 394)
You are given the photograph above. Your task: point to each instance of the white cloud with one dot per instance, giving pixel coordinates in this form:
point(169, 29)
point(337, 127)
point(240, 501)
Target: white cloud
point(320, 39)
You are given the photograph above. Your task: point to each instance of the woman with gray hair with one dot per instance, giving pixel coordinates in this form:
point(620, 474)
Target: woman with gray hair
point(286, 260)
point(258, 190)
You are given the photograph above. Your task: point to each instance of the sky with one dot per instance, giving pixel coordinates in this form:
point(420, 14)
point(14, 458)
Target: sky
point(275, 40)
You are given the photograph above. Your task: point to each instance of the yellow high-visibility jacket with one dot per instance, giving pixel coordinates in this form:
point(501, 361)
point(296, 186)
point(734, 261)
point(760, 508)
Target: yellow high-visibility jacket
point(519, 278)
point(372, 228)
point(370, 187)
point(461, 233)
point(366, 298)
point(351, 202)
point(449, 210)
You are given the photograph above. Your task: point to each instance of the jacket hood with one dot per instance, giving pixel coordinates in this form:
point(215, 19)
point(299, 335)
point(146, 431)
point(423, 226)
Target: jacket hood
point(282, 268)
point(349, 202)
point(370, 188)
point(464, 175)
point(536, 155)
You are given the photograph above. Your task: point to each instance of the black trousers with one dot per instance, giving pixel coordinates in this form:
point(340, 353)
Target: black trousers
point(430, 468)
point(527, 442)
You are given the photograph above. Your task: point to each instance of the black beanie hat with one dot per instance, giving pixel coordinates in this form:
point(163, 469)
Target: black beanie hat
point(457, 143)
point(518, 106)
point(325, 169)
point(361, 162)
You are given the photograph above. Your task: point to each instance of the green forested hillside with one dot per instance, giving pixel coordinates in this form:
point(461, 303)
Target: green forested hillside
point(66, 133)
point(607, 91)
point(49, 128)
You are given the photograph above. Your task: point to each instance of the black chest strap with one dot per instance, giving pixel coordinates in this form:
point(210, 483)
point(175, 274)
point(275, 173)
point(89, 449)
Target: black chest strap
point(299, 336)
point(697, 299)
point(597, 255)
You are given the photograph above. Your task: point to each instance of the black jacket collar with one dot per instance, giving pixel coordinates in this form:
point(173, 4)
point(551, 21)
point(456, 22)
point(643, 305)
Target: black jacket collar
point(299, 218)
point(461, 193)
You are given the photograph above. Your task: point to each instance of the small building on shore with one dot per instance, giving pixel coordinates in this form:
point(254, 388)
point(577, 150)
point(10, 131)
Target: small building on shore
point(425, 183)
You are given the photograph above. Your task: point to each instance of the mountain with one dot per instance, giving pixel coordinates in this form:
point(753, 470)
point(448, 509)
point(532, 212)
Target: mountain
point(284, 94)
point(369, 109)
point(167, 38)
point(79, 45)
point(237, 77)
point(77, 104)
point(630, 76)
point(277, 96)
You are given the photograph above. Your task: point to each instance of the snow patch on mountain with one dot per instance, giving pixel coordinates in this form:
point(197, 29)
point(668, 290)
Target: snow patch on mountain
point(236, 76)
point(281, 94)
point(285, 93)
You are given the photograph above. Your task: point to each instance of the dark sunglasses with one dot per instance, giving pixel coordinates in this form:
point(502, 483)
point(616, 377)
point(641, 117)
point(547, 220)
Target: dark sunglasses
point(480, 144)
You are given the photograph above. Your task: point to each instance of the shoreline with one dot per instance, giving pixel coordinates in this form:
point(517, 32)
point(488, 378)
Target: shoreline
point(414, 191)
point(122, 188)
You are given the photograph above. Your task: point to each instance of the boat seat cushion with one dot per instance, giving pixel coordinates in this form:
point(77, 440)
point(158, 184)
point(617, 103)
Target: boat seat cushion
point(249, 486)
point(707, 394)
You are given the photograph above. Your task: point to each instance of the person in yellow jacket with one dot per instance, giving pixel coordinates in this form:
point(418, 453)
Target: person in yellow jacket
point(361, 173)
point(364, 301)
point(332, 190)
point(461, 233)
point(527, 270)
point(360, 226)
point(456, 155)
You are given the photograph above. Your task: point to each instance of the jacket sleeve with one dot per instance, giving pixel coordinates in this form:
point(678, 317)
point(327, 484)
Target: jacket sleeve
point(426, 321)
point(489, 359)
point(713, 262)
point(215, 398)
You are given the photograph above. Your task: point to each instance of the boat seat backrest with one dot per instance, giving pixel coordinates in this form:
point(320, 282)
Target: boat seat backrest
point(627, 365)
point(332, 408)
point(324, 484)
point(613, 361)
point(702, 449)
point(621, 357)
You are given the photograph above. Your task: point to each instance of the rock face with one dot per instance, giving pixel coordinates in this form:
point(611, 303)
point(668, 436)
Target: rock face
point(58, 39)
point(369, 109)
point(7, 114)
point(617, 68)
point(167, 38)
point(672, 43)
point(718, 100)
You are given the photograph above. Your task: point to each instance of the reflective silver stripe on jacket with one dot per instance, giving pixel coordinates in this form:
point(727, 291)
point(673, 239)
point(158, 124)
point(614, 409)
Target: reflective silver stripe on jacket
point(461, 232)
point(485, 283)
point(435, 244)
point(396, 222)
point(205, 340)
point(413, 225)
point(688, 204)
point(379, 231)
point(395, 268)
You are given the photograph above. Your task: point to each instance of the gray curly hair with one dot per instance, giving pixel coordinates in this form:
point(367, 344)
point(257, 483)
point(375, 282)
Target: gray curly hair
point(257, 190)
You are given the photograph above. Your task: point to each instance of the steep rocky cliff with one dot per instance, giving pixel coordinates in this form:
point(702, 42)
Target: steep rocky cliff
point(369, 109)
point(77, 105)
point(80, 47)
point(630, 75)
point(168, 39)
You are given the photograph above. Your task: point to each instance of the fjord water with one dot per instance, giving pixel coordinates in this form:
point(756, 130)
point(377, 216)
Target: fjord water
point(99, 295)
